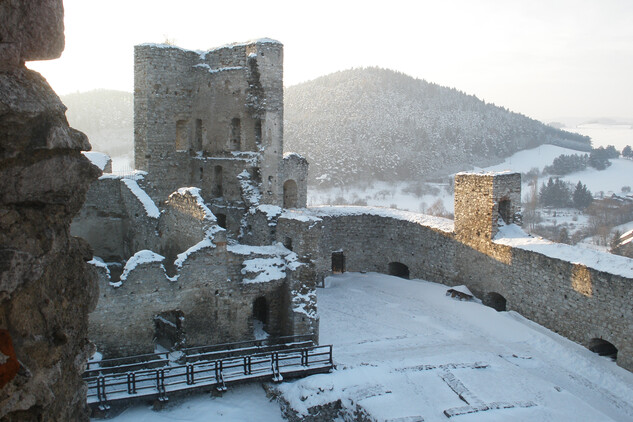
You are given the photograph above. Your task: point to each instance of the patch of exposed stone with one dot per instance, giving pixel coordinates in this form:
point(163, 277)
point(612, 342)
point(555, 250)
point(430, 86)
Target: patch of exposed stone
point(46, 287)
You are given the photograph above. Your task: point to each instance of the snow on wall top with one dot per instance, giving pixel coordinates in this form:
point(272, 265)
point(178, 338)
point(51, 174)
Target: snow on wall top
point(144, 256)
point(484, 173)
point(99, 159)
point(204, 53)
point(438, 223)
point(289, 155)
point(195, 193)
point(203, 244)
point(271, 211)
point(135, 175)
point(150, 207)
point(512, 235)
point(100, 263)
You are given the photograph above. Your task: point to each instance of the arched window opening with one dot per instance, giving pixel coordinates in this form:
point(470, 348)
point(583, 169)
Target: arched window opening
point(236, 136)
point(258, 131)
point(288, 243)
point(221, 220)
point(290, 194)
point(217, 178)
point(495, 301)
point(182, 140)
point(197, 145)
point(260, 318)
point(169, 330)
point(338, 262)
point(399, 270)
point(603, 348)
point(505, 210)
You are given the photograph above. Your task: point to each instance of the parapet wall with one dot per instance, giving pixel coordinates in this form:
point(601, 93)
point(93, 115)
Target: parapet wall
point(578, 302)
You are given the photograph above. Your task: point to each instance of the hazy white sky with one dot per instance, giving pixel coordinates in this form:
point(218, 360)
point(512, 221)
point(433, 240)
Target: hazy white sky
point(542, 58)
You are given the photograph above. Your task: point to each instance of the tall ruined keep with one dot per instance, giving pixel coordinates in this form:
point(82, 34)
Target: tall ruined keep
point(46, 287)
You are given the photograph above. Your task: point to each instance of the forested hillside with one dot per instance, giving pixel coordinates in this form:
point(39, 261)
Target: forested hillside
point(368, 124)
point(106, 116)
point(360, 125)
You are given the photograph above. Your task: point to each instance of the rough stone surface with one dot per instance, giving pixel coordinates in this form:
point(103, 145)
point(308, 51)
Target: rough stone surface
point(35, 28)
point(46, 287)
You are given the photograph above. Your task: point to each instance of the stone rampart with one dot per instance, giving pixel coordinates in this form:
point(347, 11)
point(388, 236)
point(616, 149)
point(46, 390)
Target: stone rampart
point(578, 302)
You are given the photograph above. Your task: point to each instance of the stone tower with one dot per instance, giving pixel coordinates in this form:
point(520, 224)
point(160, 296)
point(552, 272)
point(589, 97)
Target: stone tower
point(203, 118)
point(484, 202)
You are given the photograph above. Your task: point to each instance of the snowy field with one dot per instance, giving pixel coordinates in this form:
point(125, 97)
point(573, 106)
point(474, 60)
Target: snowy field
point(403, 349)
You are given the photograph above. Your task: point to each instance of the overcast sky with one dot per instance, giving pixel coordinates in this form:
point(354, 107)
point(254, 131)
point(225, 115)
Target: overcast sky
point(543, 58)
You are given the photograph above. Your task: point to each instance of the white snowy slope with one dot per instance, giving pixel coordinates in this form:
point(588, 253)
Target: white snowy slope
point(402, 349)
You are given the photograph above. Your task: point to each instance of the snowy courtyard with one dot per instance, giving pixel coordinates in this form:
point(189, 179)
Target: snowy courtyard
point(405, 351)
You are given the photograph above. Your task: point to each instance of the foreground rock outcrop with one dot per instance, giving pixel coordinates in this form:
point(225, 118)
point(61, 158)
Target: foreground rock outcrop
point(46, 288)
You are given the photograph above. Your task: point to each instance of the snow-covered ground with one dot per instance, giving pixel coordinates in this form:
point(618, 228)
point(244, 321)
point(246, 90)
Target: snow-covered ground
point(403, 349)
point(402, 346)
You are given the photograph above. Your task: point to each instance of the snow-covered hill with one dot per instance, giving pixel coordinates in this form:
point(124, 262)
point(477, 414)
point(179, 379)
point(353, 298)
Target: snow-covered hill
point(378, 124)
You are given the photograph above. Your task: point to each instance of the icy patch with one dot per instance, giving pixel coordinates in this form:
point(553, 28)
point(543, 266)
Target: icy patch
point(99, 159)
point(141, 257)
point(512, 235)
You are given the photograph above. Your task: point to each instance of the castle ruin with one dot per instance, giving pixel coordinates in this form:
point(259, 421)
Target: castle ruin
point(211, 241)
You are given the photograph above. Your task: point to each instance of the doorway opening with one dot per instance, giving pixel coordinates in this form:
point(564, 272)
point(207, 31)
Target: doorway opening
point(338, 262)
point(399, 270)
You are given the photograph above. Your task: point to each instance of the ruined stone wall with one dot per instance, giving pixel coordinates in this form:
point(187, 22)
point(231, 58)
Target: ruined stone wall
point(214, 294)
point(575, 301)
point(103, 212)
point(226, 104)
point(294, 181)
point(46, 288)
point(578, 302)
point(114, 221)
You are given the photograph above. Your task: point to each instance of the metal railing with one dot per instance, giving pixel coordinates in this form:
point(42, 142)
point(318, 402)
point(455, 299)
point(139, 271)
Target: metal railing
point(121, 382)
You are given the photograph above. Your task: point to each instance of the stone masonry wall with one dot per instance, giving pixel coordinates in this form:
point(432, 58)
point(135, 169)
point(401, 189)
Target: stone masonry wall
point(578, 302)
point(225, 103)
point(46, 287)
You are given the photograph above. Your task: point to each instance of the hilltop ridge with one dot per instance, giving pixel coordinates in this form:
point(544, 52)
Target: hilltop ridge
point(381, 124)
